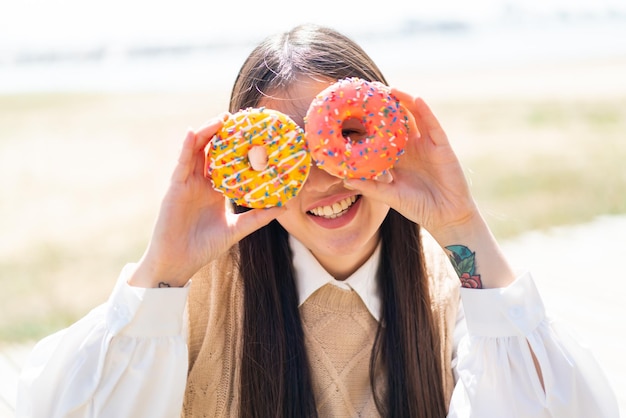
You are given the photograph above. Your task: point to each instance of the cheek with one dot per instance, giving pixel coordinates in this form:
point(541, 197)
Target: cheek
point(319, 181)
point(378, 213)
point(373, 214)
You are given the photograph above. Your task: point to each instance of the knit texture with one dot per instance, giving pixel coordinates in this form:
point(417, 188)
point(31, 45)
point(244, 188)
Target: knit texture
point(339, 335)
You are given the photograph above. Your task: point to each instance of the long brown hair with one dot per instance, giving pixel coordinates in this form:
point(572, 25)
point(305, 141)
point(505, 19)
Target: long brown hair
point(275, 372)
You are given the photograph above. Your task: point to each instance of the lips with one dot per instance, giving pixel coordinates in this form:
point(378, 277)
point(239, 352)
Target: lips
point(335, 210)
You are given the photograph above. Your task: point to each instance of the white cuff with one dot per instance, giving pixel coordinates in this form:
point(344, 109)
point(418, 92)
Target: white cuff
point(515, 310)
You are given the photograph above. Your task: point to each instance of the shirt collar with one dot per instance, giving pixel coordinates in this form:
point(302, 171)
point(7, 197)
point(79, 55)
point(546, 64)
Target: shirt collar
point(310, 276)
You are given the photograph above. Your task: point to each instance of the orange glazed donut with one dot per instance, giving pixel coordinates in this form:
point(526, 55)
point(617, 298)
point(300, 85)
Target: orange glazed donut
point(381, 124)
point(258, 159)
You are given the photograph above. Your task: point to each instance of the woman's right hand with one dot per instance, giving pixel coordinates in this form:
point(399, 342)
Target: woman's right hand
point(194, 225)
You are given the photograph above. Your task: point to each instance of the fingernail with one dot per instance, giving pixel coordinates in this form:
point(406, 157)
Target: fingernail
point(348, 184)
point(385, 177)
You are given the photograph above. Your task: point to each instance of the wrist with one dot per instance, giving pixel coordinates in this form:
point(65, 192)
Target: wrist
point(151, 275)
point(470, 226)
point(474, 253)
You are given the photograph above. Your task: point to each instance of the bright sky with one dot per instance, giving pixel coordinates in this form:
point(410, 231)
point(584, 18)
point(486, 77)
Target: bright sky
point(53, 23)
point(75, 22)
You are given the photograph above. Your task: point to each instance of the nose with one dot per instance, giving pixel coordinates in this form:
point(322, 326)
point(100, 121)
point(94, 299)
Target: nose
point(320, 181)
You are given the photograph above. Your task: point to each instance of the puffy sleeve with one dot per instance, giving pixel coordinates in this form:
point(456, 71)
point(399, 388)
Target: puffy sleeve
point(494, 367)
point(126, 358)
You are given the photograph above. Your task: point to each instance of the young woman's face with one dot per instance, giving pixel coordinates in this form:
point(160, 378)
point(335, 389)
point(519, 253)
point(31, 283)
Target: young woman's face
point(339, 226)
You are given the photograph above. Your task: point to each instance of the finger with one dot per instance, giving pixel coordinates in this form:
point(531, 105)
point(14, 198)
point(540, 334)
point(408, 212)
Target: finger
point(407, 101)
point(405, 98)
point(431, 123)
point(380, 191)
point(427, 124)
point(190, 155)
point(184, 166)
point(385, 177)
point(248, 222)
point(203, 138)
point(208, 131)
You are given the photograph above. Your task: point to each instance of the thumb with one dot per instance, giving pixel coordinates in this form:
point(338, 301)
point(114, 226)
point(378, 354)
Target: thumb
point(247, 222)
point(381, 189)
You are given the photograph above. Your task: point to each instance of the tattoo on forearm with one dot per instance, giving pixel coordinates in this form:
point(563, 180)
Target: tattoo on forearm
point(163, 284)
point(464, 263)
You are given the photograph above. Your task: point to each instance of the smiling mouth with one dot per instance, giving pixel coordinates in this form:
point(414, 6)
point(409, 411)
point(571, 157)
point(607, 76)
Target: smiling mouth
point(336, 209)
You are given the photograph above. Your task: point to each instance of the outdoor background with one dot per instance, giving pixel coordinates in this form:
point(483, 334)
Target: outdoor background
point(95, 98)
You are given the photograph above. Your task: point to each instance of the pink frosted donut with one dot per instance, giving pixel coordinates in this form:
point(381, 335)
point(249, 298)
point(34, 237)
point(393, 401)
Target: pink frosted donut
point(362, 107)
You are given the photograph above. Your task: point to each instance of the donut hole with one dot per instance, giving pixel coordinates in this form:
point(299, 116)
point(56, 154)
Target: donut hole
point(353, 130)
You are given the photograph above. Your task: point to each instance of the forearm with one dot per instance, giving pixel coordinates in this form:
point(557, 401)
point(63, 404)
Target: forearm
point(475, 254)
point(154, 274)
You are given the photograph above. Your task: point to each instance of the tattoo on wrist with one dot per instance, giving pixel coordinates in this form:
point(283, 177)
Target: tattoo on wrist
point(464, 262)
point(163, 284)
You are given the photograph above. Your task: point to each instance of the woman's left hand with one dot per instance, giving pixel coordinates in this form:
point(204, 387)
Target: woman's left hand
point(428, 185)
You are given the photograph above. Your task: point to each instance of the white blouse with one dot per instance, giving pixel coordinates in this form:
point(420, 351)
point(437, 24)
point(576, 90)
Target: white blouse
point(128, 357)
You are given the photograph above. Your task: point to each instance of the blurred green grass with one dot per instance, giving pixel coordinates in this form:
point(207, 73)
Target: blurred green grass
point(83, 175)
point(543, 163)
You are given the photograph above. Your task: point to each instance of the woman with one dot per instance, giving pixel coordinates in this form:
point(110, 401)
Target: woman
point(294, 314)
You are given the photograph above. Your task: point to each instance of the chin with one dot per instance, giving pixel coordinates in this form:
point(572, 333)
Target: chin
point(350, 244)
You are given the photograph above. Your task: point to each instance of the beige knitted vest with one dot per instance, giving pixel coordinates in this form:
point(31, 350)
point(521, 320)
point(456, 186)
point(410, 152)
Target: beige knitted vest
point(339, 335)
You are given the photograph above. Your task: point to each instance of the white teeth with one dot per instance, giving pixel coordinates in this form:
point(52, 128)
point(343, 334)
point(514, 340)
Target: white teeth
point(335, 210)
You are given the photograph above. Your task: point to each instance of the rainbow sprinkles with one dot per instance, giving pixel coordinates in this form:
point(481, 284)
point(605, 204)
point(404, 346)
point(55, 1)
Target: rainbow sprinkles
point(377, 112)
point(288, 160)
